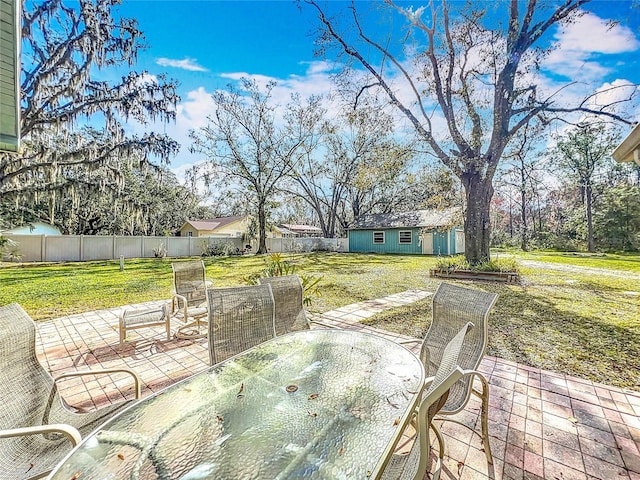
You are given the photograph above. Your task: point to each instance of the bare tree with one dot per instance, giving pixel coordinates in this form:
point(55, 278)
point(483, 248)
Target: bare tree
point(474, 74)
point(254, 144)
point(583, 152)
point(354, 165)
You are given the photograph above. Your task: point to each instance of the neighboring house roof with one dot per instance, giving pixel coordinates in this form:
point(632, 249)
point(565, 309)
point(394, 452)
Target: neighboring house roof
point(212, 223)
point(300, 228)
point(418, 218)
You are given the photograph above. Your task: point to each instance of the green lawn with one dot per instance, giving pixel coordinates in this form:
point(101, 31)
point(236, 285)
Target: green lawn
point(583, 324)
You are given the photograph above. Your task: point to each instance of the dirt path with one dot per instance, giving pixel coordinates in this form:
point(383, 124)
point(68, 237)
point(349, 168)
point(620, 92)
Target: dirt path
point(579, 269)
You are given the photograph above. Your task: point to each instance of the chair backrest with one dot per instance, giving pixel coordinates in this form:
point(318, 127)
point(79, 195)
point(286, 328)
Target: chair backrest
point(453, 308)
point(239, 318)
point(435, 397)
point(189, 281)
point(287, 294)
point(24, 383)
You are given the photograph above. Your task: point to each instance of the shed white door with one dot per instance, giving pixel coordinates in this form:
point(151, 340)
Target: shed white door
point(427, 243)
point(459, 241)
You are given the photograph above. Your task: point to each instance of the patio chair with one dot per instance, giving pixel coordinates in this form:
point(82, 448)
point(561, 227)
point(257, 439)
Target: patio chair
point(37, 429)
point(454, 307)
point(415, 464)
point(239, 318)
point(189, 302)
point(288, 294)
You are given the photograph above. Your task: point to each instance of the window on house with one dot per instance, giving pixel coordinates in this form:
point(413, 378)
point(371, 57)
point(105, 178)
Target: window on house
point(378, 237)
point(189, 234)
point(405, 236)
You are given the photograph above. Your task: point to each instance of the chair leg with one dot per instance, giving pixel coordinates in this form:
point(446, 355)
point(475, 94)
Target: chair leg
point(484, 414)
point(440, 438)
point(435, 475)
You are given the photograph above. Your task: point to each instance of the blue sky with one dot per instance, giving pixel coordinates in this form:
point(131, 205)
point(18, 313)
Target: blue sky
point(207, 44)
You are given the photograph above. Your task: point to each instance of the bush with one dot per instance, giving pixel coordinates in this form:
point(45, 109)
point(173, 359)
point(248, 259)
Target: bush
point(160, 251)
point(217, 249)
point(9, 250)
point(458, 262)
point(279, 267)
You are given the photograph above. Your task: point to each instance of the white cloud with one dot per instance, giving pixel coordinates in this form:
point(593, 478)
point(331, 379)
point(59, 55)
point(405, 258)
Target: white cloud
point(579, 45)
point(190, 64)
point(591, 33)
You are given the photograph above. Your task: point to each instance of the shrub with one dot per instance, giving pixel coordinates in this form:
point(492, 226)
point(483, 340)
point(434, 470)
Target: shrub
point(217, 249)
point(458, 262)
point(160, 251)
point(277, 266)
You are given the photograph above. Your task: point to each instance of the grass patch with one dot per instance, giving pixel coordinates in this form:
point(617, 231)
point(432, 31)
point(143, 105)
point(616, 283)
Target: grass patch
point(583, 325)
point(567, 321)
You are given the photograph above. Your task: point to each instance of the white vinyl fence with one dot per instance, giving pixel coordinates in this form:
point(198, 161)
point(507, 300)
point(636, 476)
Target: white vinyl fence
point(78, 248)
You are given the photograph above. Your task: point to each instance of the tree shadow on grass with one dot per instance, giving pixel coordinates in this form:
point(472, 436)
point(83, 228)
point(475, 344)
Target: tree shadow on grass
point(532, 328)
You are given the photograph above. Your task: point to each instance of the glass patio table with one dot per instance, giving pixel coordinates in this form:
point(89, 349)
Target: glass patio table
point(317, 404)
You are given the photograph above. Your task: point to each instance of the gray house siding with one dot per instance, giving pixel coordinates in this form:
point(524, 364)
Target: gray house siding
point(9, 75)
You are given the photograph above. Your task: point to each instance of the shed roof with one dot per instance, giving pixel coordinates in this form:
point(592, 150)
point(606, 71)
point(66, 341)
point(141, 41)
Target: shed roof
point(213, 223)
point(418, 218)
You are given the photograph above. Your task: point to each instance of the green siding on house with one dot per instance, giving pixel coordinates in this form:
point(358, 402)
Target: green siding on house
point(9, 76)
point(362, 241)
point(444, 243)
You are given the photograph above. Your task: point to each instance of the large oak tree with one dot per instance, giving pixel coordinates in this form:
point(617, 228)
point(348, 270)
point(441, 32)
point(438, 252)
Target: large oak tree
point(465, 75)
point(69, 53)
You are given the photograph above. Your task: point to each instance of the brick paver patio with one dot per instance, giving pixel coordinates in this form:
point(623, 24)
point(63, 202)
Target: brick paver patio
point(542, 425)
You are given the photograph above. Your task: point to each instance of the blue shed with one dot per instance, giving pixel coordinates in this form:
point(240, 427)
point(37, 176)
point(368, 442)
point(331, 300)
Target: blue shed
point(428, 232)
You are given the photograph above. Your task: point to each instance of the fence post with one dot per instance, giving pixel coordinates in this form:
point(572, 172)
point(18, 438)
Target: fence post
point(43, 248)
point(121, 263)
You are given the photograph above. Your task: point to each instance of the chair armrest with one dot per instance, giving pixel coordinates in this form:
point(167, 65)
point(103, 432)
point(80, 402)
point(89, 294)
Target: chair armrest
point(325, 325)
point(415, 340)
point(136, 379)
point(175, 305)
point(68, 431)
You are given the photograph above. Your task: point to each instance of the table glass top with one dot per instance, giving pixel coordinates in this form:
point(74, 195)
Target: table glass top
point(313, 404)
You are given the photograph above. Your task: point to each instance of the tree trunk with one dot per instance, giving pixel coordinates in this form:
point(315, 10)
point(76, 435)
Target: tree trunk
point(523, 209)
point(477, 224)
point(262, 229)
point(588, 201)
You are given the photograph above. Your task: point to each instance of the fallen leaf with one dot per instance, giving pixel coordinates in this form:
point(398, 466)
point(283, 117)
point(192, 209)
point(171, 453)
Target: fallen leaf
point(76, 475)
point(313, 396)
point(291, 388)
point(312, 414)
point(460, 465)
point(121, 456)
point(572, 419)
point(392, 404)
point(396, 422)
point(219, 418)
point(341, 451)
